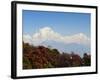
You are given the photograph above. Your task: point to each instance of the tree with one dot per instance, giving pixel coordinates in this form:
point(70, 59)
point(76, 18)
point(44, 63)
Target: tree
point(36, 57)
point(26, 63)
point(86, 59)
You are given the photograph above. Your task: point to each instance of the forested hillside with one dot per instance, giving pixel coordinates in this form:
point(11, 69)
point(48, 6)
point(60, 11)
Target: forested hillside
point(37, 57)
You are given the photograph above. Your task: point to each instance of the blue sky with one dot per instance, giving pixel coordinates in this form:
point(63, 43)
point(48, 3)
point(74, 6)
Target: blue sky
point(65, 23)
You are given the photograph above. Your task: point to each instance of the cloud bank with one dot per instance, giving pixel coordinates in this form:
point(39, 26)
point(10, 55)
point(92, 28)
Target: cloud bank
point(47, 33)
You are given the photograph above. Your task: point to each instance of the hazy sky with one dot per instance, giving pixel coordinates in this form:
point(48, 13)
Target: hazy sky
point(65, 23)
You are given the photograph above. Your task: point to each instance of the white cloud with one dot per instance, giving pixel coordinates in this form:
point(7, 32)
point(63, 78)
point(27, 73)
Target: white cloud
point(47, 33)
point(27, 39)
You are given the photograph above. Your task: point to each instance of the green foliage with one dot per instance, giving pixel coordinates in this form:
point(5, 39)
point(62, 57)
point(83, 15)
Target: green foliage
point(26, 63)
point(55, 51)
point(48, 65)
point(87, 59)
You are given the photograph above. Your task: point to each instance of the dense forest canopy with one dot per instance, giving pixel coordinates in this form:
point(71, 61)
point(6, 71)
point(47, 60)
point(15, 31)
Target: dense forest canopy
point(37, 57)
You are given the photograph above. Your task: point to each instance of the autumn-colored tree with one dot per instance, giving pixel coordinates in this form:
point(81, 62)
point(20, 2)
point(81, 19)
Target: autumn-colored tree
point(64, 60)
point(76, 60)
point(36, 57)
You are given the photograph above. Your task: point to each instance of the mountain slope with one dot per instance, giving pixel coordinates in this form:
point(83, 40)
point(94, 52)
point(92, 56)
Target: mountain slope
point(73, 47)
